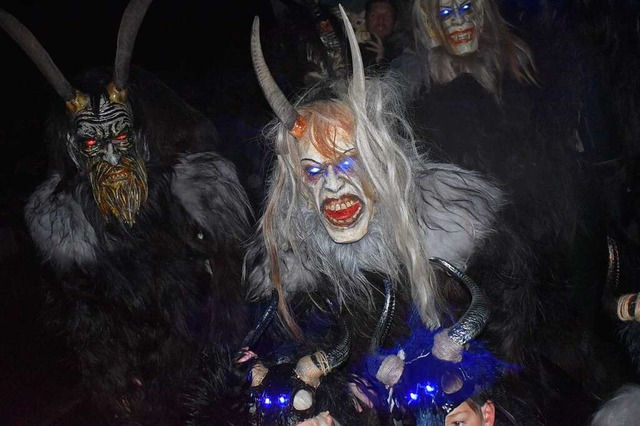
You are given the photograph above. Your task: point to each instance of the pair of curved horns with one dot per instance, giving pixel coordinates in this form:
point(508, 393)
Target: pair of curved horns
point(129, 25)
point(449, 343)
point(284, 110)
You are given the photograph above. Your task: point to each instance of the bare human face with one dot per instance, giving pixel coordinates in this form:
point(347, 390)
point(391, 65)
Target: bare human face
point(461, 24)
point(381, 19)
point(466, 415)
point(335, 190)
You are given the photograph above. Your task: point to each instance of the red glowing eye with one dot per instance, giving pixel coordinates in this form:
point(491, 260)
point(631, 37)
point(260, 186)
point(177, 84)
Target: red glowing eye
point(90, 143)
point(122, 137)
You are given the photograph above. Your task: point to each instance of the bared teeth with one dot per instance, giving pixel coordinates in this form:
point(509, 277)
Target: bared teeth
point(343, 212)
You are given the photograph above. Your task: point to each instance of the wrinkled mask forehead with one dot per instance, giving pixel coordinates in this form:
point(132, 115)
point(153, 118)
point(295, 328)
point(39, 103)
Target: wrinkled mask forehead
point(328, 145)
point(108, 119)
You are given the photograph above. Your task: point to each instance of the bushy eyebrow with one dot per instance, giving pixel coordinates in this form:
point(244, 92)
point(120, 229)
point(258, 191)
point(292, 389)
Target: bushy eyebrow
point(340, 157)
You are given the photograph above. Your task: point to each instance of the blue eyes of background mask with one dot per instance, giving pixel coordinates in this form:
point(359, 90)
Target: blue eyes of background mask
point(444, 13)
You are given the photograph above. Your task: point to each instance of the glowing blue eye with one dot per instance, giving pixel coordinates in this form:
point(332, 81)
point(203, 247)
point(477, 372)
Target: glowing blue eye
point(346, 164)
point(429, 388)
point(465, 7)
point(413, 396)
point(313, 171)
point(445, 12)
point(266, 400)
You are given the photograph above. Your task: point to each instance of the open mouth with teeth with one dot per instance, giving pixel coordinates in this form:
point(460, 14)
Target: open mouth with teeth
point(116, 177)
point(461, 37)
point(344, 211)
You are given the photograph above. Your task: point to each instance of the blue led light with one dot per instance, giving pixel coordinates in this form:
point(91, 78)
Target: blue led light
point(266, 400)
point(283, 400)
point(444, 13)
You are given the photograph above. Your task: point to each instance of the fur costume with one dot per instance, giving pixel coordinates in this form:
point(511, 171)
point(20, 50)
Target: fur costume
point(142, 223)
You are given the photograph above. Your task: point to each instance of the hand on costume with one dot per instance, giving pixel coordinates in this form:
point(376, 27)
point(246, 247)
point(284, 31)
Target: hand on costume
point(322, 419)
point(377, 46)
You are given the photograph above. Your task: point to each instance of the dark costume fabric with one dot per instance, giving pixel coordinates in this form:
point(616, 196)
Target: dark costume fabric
point(138, 303)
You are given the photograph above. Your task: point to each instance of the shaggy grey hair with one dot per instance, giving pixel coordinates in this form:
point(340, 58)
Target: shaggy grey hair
point(422, 209)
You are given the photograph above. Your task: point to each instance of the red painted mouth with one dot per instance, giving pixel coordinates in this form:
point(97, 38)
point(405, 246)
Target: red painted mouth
point(462, 37)
point(344, 211)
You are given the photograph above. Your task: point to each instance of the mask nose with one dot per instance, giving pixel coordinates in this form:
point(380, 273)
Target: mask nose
point(333, 181)
point(111, 156)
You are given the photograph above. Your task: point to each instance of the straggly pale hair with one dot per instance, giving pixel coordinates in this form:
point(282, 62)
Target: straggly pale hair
point(499, 50)
point(388, 161)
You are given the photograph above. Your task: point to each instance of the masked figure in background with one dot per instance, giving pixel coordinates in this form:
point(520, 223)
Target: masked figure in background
point(351, 203)
point(141, 222)
point(456, 37)
point(489, 108)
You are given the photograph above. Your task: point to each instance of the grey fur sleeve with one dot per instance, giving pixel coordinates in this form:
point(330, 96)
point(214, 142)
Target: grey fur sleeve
point(208, 188)
point(58, 226)
point(459, 208)
point(295, 277)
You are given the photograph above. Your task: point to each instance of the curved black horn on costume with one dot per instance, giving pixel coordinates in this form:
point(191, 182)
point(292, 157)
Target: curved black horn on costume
point(624, 307)
point(311, 368)
point(129, 25)
point(473, 320)
point(388, 311)
point(341, 350)
point(266, 317)
point(34, 50)
point(356, 59)
point(281, 106)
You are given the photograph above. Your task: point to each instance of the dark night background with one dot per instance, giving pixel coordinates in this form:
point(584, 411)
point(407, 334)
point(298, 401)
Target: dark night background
point(201, 49)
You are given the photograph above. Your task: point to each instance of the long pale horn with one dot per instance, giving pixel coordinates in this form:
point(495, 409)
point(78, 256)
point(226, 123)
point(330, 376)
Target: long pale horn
point(127, 33)
point(450, 344)
point(286, 113)
point(34, 50)
point(357, 79)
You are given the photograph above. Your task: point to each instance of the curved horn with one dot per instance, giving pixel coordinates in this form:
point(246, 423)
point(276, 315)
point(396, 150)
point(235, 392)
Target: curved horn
point(286, 113)
point(255, 333)
point(388, 311)
point(129, 25)
point(448, 344)
point(311, 368)
point(357, 82)
point(626, 307)
point(34, 50)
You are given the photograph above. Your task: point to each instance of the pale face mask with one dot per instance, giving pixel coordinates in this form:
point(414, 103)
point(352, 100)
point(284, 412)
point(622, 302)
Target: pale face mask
point(461, 25)
point(335, 190)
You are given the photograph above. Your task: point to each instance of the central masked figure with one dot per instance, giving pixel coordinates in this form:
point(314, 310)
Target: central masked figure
point(353, 204)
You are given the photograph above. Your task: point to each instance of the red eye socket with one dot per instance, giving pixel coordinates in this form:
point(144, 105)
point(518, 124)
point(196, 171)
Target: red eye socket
point(122, 137)
point(90, 142)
